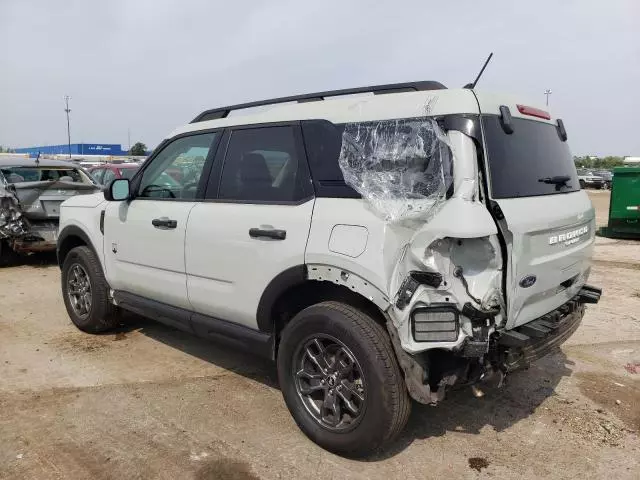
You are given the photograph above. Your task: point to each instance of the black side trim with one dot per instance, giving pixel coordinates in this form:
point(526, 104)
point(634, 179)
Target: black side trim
point(467, 124)
point(237, 335)
point(66, 234)
point(282, 282)
point(173, 316)
point(201, 325)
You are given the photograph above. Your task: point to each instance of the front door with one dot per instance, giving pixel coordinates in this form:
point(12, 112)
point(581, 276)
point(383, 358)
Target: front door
point(252, 226)
point(144, 236)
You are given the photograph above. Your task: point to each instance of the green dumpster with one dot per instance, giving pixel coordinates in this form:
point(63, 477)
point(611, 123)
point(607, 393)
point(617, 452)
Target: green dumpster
point(624, 207)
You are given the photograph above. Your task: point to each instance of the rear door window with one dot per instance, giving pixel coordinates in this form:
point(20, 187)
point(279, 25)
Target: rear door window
point(520, 162)
point(263, 165)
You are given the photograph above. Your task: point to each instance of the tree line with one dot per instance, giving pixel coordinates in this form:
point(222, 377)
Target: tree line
point(604, 163)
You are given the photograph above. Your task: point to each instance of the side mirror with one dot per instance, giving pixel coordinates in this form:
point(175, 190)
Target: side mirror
point(117, 190)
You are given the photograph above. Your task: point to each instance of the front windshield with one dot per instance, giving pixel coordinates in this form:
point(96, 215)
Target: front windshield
point(43, 174)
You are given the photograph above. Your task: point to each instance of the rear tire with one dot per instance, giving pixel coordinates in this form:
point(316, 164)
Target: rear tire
point(350, 413)
point(582, 184)
point(86, 293)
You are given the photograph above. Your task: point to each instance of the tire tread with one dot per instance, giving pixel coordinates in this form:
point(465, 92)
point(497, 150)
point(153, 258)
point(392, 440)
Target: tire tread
point(104, 315)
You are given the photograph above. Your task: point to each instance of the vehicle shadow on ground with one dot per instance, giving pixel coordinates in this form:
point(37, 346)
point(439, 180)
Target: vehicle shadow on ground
point(524, 391)
point(500, 408)
point(218, 353)
point(38, 260)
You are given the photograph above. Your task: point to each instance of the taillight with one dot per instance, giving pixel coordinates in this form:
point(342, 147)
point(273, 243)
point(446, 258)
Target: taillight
point(534, 112)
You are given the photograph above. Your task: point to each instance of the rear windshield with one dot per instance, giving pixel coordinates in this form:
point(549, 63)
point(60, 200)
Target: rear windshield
point(42, 174)
point(519, 162)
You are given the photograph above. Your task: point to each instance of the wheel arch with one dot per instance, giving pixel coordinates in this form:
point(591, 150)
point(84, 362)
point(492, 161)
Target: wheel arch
point(70, 237)
point(301, 286)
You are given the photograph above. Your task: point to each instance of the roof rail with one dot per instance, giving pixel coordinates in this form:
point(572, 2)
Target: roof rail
point(223, 112)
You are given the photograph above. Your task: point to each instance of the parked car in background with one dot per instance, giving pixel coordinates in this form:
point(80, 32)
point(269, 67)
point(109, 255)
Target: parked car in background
point(31, 192)
point(606, 176)
point(588, 179)
point(105, 173)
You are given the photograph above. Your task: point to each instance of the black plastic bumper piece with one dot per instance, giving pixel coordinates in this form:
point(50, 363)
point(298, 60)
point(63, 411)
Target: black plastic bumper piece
point(411, 284)
point(589, 294)
point(531, 341)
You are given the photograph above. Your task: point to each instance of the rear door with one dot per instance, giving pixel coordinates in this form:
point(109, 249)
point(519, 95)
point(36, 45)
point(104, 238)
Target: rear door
point(548, 224)
point(253, 225)
point(144, 237)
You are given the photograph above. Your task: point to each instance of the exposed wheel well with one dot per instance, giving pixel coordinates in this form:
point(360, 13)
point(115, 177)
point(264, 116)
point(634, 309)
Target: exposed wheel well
point(303, 295)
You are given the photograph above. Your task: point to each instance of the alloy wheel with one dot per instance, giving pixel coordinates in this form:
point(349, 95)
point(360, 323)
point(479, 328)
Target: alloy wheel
point(330, 383)
point(79, 290)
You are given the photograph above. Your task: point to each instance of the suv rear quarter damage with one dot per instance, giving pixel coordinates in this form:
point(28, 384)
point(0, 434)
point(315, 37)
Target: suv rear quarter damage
point(447, 273)
point(444, 275)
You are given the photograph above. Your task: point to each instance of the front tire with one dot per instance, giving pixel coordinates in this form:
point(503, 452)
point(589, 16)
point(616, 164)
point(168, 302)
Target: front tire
point(86, 292)
point(340, 379)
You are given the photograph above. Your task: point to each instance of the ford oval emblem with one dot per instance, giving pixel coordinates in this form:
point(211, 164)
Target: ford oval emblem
point(528, 281)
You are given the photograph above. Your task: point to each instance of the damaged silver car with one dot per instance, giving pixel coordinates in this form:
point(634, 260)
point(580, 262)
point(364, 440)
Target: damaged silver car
point(31, 192)
point(381, 248)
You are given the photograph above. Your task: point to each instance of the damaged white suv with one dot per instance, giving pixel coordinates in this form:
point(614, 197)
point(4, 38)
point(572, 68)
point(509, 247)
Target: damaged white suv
point(380, 247)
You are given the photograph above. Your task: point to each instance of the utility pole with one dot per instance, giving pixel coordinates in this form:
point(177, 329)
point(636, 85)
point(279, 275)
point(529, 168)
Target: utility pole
point(547, 92)
point(129, 136)
point(66, 101)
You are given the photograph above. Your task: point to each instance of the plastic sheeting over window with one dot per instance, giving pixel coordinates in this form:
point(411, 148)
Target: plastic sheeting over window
point(402, 168)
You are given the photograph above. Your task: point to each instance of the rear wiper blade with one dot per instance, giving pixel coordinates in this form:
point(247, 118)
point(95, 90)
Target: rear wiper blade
point(557, 180)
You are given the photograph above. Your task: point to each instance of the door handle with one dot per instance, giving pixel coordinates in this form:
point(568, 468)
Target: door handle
point(268, 233)
point(164, 223)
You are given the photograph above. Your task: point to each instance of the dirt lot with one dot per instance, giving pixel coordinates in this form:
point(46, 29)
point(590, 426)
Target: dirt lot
point(150, 402)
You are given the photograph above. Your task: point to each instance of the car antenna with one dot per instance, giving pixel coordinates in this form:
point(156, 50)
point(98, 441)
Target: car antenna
point(473, 85)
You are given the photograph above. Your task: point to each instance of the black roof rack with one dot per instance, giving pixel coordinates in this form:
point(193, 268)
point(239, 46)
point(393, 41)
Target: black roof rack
point(223, 112)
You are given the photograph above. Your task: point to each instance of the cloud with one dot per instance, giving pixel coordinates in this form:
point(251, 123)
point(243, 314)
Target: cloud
point(150, 66)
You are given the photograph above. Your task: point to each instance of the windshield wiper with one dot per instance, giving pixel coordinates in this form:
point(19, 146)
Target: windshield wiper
point(557, 180)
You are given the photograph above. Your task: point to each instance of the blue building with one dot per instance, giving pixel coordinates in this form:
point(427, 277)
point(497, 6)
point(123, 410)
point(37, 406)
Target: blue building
point(76, 149)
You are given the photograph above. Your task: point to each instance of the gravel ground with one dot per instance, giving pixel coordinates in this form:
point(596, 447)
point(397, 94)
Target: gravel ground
point(150, 402)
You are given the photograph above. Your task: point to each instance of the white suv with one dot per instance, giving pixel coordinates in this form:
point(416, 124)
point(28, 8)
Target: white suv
point(379, 247)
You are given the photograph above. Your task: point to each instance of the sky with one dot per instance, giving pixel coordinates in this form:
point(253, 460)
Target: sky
point(148, 66)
